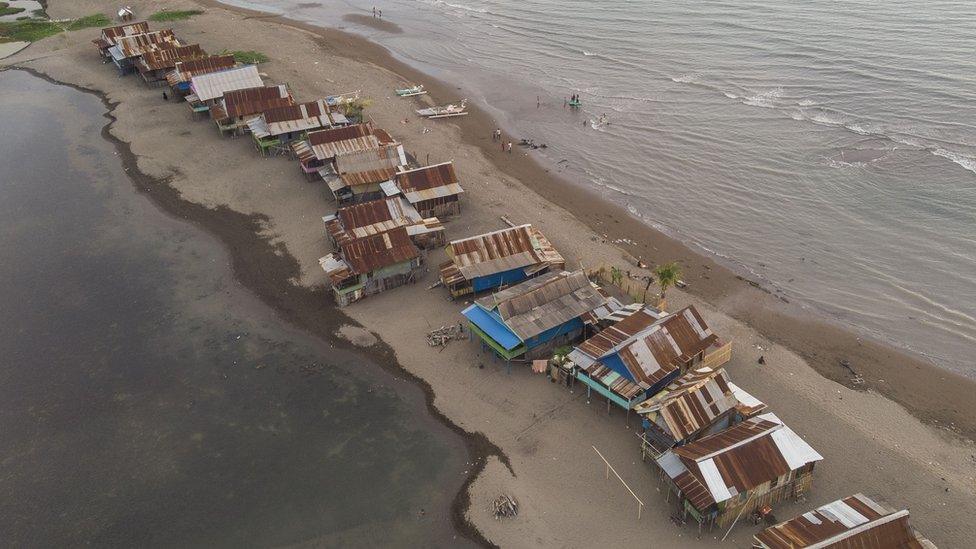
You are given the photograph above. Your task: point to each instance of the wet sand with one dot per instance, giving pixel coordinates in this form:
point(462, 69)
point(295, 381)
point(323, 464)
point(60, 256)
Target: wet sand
point(870, 444)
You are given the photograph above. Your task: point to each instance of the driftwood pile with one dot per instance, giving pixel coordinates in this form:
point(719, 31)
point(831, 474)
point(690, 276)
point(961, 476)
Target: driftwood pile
point(444, 335)
point(504, 506)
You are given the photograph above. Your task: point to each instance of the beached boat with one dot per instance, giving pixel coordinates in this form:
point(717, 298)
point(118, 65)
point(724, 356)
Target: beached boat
point(412, 91)
point(445, 111)
point(576, 103)
point(342, 98)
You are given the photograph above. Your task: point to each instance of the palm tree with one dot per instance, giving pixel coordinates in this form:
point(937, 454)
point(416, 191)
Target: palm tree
point(667, 275)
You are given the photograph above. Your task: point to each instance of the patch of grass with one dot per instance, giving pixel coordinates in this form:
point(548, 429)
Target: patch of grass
point(5, 9)
point(32, 30)
point(248, 57)
point(96, 20)
point(174, 15)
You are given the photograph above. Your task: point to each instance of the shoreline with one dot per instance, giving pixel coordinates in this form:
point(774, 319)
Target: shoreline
point(538, 480)
point(935, 395)
point(253, 256)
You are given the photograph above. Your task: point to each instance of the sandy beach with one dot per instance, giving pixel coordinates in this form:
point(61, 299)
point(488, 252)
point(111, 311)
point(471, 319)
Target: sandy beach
point(903, 435)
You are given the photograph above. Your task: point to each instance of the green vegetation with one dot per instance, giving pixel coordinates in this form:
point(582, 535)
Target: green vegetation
point(5, 9)
point(354, 109)
point(248, 57)
point(174, 15)
point(32, 30)
point(97, 20)
point(667, 275)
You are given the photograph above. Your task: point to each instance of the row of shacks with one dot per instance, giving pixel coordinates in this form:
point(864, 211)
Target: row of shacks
point(722, 454)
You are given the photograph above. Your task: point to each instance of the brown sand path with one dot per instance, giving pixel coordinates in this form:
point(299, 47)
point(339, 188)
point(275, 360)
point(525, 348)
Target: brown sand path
point(870, 443)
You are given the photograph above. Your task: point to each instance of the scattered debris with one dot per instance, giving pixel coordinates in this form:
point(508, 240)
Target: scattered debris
point(504, 506)
point(445, 334)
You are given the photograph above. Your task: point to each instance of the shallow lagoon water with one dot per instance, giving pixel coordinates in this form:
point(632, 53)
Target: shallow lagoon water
point(147, 399)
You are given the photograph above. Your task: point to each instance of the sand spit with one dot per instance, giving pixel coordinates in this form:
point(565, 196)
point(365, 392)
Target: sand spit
point(269, 218)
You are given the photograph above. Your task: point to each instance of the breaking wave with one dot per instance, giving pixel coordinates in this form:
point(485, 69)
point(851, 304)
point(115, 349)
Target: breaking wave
point(967, 162)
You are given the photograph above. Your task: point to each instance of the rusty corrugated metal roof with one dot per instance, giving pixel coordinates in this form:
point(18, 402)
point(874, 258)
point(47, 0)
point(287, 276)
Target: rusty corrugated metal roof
point(667, 345)
point(603, 342)
point(552, 299)
point(854, 522)
point(503, 250)
point(248, 101)
point(369, 177)
point(429, 182)
point(379, 250)
point(339, 134)
point(691, 404)
point(375, 217)
point(138, 44)
point(187, 69)
point(110, 34)
point(758, 450)
point(168, 58)
point(385, 157)
point(332, 149)
point(419, 179)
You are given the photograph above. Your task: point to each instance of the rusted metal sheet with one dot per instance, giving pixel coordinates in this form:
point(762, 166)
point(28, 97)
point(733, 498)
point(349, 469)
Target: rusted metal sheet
point(249, 101)
point(168, 58)
point(312, 115)
point(213, 85)
point(369, 177)
point(378, 216)
point(339, 134)
point(603, 342)
point(693, 403)
point(111, 34)
point(429, 182)
point(332, 149)
point(503, 250)
point(386, 157)
point(758, 450)
point(854, 522)
point(139, 44)
point(377, 251)
point(184, 69)
point(550, 300)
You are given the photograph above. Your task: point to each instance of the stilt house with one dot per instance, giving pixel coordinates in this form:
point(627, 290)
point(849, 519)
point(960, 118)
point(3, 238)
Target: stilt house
point(378, 216)
point(232, 111)
point(641, 355)
point(492, 261)
point(372, 264)
point(855, 522)
point(208, 88)
point(179, 78)
point(531, 319)
point(731, 473)
point(154, 65)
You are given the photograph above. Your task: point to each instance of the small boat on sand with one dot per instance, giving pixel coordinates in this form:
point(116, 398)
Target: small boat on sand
point(575, 103)
point(411, 92)
point(445, 111)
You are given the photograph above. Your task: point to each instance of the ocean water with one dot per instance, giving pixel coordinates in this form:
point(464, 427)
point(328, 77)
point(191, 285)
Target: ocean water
point(147, 399)
point(826, 149)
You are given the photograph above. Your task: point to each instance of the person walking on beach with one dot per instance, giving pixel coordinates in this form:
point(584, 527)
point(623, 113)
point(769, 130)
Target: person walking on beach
point(509, 147)
point(498, 134)
point(165, 97)
point(374, 11)
point(381, 14)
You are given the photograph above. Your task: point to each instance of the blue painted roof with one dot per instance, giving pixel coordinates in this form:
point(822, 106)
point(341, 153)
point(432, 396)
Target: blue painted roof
point(491, 324)
point(614, 362)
